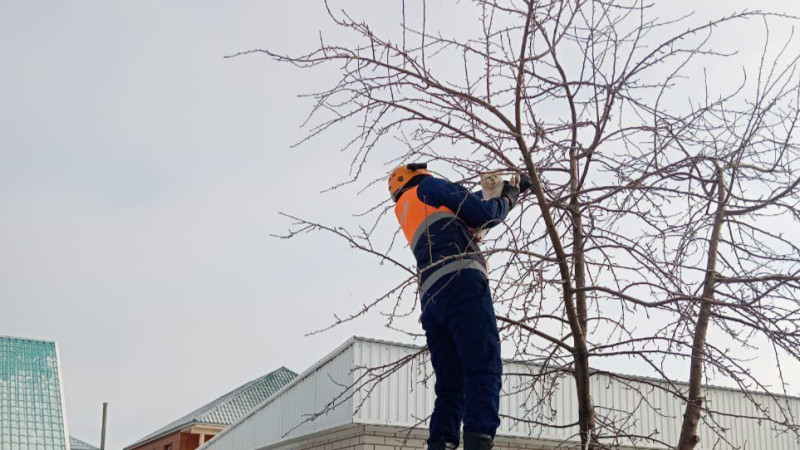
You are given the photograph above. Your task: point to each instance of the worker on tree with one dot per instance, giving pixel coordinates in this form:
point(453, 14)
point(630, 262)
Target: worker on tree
point(439, 219)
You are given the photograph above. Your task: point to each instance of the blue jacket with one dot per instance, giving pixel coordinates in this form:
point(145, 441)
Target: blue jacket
point(439, 219)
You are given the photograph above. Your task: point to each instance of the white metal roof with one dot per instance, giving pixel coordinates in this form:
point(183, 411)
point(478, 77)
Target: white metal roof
point(339, 390)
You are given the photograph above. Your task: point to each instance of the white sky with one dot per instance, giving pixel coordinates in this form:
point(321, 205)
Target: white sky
point(140, 177)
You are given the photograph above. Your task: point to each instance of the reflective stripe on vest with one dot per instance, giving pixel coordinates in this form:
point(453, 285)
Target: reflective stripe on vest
point(451, 267)
point(415, 216)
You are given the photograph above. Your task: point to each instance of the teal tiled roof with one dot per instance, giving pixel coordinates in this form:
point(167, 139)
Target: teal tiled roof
point(77, 444)
point(228, 408)
point(31, 395)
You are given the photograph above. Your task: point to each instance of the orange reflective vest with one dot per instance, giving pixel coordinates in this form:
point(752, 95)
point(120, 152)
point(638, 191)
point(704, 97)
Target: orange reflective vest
point(415, 216)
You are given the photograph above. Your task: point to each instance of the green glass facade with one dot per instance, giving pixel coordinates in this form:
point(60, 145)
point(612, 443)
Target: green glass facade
point(31, 400)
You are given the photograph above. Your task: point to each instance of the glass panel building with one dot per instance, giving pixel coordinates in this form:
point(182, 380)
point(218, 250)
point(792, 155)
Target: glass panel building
point(31, 397)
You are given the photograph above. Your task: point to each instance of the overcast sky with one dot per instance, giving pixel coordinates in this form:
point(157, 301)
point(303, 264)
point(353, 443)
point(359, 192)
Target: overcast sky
point(141, 175)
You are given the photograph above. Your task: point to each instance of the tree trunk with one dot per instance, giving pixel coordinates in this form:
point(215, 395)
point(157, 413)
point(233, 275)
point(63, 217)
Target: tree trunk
point(576, 314)
point(586, 419)
point(694, 405)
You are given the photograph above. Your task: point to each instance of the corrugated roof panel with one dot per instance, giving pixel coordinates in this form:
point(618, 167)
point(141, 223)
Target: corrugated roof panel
point(288, 413)
point(404, 396)
point(657, 413)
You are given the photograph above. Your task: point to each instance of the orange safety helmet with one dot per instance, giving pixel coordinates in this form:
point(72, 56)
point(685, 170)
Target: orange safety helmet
point(403, 174)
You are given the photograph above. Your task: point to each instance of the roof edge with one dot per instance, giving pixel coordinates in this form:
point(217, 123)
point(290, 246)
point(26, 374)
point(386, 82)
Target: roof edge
point(352, 340)
point(159, 436)
point(46, 341)
point(196, 419)
point(303, 375)
point(241, 390)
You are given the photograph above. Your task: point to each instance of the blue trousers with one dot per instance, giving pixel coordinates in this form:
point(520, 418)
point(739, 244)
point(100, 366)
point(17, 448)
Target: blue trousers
point(464, 344)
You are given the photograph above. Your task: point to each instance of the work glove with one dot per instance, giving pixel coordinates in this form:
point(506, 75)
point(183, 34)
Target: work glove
point(512, 189)
point(511, 192)
point(524, 183)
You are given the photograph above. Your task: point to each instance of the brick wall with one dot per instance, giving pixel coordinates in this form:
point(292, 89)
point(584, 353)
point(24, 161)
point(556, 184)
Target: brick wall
point(178, 441)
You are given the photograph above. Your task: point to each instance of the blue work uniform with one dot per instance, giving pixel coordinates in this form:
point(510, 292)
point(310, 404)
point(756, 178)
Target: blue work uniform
point(438, 218)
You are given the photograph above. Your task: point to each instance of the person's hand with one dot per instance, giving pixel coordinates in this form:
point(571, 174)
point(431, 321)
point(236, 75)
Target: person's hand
point(511, 190)
point(524, 183)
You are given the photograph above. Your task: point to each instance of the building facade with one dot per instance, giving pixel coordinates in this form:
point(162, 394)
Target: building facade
point(32, 413)
point(373, 395)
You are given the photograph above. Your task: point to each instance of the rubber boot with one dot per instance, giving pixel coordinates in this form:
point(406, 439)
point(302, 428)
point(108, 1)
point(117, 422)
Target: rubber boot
point(477, 441)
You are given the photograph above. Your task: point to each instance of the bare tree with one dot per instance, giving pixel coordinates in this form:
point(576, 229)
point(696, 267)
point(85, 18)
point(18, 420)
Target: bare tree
point(572, 93)
point(732, 164)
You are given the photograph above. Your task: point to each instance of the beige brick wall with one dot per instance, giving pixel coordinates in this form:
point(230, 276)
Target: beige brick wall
point(372, 437)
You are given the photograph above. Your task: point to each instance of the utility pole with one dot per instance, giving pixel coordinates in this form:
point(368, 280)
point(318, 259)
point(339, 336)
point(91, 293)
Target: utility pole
point(103, 433)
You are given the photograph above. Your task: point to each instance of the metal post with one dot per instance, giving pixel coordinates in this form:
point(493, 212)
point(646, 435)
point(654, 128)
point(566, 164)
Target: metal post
point(103, 434)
